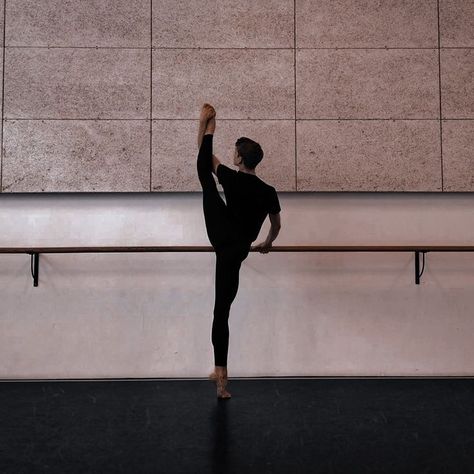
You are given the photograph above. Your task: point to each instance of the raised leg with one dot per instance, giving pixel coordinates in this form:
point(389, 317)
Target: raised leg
point(216, 214)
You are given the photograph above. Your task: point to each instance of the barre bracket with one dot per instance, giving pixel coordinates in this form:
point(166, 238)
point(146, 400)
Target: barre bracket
point(417, 265)
point(34, 267)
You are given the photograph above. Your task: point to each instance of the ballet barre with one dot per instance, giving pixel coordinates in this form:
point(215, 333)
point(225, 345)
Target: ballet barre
point(418, 249)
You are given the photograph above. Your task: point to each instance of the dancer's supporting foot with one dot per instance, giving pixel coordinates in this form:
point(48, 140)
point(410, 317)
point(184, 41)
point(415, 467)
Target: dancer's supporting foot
point(219, 376)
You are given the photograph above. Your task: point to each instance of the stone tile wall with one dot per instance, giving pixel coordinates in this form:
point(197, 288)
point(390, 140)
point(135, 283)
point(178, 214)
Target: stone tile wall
point(343, 95)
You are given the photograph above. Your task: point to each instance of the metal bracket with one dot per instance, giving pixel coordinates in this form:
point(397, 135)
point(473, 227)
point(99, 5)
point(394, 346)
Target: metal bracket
point(417, 265)
point(34, 267)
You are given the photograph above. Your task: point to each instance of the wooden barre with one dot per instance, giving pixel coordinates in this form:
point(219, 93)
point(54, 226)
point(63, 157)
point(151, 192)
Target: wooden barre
point(275, 248)
point(35, 251)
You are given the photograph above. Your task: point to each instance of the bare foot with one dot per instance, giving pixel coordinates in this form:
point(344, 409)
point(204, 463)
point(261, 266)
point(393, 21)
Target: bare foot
point(218, 370)
point(211, 125)
point(212, 376)
point(208, 112)
point(219, 376)
point(221, 383)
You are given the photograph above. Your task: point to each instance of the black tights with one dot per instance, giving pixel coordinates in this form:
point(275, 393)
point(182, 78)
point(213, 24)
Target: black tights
point(230, 252)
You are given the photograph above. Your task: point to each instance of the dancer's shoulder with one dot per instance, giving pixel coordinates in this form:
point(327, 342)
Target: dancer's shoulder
point(224, 173)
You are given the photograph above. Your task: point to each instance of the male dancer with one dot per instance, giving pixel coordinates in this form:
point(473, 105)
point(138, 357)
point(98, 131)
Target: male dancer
point(232, 227)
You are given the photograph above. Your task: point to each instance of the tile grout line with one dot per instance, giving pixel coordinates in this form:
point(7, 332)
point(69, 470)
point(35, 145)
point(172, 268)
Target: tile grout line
point(294, 70)
point(440, 111)
point(3, 93)
point(247, 119)
point(151, 84)
point(233, 48)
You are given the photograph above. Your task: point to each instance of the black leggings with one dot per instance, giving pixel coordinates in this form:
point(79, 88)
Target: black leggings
point(230, 251)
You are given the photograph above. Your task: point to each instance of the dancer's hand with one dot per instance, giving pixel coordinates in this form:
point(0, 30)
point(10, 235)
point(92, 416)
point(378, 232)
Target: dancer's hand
point(263, 247)
point(207, 113)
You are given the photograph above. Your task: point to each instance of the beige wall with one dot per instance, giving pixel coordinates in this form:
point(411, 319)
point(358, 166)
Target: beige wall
point(103, 103)
point(343, 95)
point(150, 315)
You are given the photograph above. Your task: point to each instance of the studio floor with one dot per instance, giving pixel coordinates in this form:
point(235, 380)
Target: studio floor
point(270, 425)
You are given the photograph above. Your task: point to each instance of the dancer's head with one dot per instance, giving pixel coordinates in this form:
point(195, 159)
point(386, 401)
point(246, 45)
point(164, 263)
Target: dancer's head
point(248, 153)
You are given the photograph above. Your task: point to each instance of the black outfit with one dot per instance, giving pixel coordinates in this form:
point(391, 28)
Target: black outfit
point(231, 229)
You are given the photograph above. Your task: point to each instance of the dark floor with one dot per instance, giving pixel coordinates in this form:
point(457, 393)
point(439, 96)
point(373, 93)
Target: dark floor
point(344, 425)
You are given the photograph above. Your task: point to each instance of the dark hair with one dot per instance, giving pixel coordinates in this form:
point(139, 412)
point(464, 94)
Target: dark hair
point(250, 151)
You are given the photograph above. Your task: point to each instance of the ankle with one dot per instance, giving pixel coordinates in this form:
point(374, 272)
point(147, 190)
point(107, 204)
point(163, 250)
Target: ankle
point(211, 126)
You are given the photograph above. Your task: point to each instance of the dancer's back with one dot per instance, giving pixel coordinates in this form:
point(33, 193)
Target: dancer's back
point(249, 200)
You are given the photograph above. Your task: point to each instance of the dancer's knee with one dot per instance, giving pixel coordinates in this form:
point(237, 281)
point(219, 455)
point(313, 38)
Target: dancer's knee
point(221, 312)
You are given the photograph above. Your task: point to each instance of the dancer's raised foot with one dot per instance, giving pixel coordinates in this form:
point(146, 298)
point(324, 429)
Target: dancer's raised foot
point(208, 112)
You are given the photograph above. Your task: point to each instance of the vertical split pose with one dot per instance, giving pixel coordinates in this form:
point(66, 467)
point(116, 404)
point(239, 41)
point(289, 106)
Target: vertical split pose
point(231, 227)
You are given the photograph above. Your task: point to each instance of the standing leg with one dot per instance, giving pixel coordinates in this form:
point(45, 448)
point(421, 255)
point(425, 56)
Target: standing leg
point(228, 262)
point(216, 214)
point(226, 286)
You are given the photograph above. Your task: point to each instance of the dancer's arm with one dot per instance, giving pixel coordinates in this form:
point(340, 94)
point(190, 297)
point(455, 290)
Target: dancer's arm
point(274, 229)
point(266, 245)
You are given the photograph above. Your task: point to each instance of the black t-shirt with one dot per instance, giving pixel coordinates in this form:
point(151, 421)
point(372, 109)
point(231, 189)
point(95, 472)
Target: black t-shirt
point(249, 200)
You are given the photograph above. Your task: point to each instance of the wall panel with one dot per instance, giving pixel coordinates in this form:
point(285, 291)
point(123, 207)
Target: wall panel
point(343, 95)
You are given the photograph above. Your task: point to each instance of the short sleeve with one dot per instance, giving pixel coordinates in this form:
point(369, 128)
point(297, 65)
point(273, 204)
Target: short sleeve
point(225, 174)
point(274, 204)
